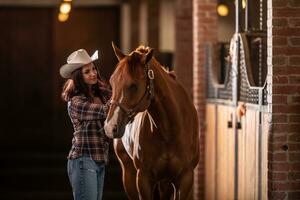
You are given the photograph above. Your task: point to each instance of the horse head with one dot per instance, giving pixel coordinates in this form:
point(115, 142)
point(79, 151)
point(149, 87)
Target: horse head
point(132, 89)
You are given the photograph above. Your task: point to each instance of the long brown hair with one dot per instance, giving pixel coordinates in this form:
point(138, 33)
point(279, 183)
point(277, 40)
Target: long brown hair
point(76, 86)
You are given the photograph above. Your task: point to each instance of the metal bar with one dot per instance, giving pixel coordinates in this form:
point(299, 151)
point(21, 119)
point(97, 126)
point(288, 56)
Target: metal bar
point(248, 17)
point(235, 75)
point(238, 15)
point(260, 132)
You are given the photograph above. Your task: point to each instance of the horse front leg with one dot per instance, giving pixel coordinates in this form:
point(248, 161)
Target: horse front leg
point(128, 170)
point(184, 189)
point(145, 185)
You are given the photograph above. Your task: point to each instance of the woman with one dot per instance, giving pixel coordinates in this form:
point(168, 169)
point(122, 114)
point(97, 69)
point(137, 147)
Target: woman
point(88, 104)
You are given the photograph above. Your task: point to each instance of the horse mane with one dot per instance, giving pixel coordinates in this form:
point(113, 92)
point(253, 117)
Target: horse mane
point(141, 50)
point(144, 50)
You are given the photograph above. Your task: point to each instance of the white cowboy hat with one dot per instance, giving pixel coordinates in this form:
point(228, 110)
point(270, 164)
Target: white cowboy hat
point(76, 60)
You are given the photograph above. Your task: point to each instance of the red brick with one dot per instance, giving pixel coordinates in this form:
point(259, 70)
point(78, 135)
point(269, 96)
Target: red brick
point(280, 41)
point(279, 99)
point(280, 167)
point(276, 147)
point(281, 22)
point(207, 7)
point(294, 80)
point(286, 12)
point(293, 100)
point(285, 128)
point(294, 175)
point(279, 118)
point(278, 176)
point(284, 31)
point(280, 127)
point(294, 22)
point(280, 80)
point(295, 137)
point(282, 139)
point(295, 167)
point(293, 195)
point(278, 195)
point(294, 157)
point(294, 185)
point(280, 186)
point(207, 21)
point(294, 41)
point(294, 60)
point(294, 146)
point(279, 60)
point(286, 109)
point(293, 4)
point(293, 70)
point(286, 51)
point(279, 157)
point(294, 118)
point(279, 3)
point(285, 89)
point(283, 186)
point(279, 70)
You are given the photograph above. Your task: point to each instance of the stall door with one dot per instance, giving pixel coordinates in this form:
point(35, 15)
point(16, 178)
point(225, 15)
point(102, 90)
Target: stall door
point(236, 162)
point(236, 146)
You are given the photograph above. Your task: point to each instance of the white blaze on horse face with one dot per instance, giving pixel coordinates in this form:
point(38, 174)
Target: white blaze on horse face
point(112, 123)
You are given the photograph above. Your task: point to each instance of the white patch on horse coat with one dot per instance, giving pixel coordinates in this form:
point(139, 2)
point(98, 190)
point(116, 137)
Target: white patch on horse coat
point(132, 132)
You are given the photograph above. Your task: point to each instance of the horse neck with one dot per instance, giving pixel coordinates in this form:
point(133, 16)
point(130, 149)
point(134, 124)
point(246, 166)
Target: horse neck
point(162, 107)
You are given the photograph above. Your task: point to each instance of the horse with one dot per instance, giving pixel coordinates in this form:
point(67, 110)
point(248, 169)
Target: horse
point(155, 128)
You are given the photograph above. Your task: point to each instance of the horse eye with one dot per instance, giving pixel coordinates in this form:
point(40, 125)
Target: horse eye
point(133, 87)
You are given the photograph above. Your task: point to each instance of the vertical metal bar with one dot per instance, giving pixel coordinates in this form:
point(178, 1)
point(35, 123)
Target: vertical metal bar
point(260, 132)
point(238, 15)
point(235, 75)
point(248, 21)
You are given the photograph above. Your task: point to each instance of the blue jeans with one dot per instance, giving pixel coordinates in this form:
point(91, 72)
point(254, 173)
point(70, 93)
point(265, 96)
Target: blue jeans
point(86, 178)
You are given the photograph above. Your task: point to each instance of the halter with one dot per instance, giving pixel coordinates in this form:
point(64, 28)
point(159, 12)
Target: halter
point(149, 94)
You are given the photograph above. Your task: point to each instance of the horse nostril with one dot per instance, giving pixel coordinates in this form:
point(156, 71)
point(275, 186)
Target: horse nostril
point(115, 129)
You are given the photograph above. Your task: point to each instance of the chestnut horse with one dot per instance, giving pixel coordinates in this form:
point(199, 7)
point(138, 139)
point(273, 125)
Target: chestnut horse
point(158, 126)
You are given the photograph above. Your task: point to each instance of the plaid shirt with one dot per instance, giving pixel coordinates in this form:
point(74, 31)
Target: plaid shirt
point(89, 136)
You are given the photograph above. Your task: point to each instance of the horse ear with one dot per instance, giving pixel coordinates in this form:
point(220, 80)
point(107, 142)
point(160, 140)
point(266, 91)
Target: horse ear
point(148, 56)
point(117, 51)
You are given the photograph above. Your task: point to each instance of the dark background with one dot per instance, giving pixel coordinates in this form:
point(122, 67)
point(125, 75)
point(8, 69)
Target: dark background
point(35, 131)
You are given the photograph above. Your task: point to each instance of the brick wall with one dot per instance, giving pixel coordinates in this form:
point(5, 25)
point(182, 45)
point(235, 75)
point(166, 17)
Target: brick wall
point(284, 99)
point(204, 31)
point(184, 43)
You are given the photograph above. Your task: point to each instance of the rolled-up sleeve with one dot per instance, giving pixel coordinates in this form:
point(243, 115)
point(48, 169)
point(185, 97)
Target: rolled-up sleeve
point(82, 109)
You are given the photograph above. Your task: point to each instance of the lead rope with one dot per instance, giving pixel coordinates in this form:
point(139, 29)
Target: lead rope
point(151, 120)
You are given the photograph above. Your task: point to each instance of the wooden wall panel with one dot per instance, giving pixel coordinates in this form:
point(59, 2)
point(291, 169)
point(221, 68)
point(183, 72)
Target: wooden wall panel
point(242, 159)
point(210, 151)
point(230, 155)
point(221, 152)
point(250, 142)
point(225, 153)
point(264, 164)
point(221, 164)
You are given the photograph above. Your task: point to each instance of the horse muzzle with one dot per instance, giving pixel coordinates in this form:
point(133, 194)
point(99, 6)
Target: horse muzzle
point(113, 130)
